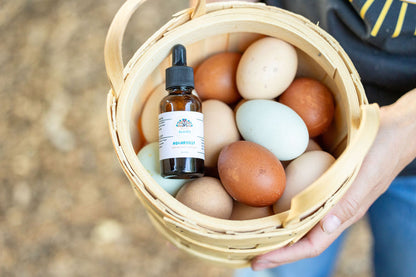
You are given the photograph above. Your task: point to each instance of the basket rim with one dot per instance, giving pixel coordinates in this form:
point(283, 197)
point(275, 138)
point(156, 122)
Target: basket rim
point(125, 150)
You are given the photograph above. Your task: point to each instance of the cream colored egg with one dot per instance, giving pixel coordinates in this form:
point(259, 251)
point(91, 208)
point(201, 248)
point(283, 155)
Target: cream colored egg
point(266, 69)
point(301, 173)
point(207, 196)
point(220, 129)
point(150, 115)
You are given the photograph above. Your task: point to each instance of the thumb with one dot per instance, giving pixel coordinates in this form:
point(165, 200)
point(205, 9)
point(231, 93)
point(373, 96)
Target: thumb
point(347, 211)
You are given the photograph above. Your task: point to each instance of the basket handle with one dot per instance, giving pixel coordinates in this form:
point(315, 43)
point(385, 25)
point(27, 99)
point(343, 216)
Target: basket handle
point(315, 195)
point(113, 44)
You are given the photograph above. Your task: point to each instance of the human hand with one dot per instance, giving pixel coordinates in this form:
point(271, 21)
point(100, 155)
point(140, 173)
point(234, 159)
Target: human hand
point(393, 148)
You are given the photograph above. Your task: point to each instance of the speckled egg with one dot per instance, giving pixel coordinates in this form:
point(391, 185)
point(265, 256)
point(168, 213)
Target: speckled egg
point(266, 69)
point(251, 174)
point(312, 101)
point(207, 196)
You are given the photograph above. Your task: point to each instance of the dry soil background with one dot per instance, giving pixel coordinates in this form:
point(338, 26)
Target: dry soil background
point(66, 209)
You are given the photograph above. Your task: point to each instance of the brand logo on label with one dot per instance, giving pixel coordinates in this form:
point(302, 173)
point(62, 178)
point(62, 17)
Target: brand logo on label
point(184, 123)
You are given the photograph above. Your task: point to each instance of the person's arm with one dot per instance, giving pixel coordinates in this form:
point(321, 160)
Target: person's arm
point(393, 149)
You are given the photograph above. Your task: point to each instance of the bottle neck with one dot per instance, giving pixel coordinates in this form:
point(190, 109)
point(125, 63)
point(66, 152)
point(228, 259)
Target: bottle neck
point(180, 90)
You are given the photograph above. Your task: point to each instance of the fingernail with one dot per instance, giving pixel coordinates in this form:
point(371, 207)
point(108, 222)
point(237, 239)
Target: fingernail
point(260, 265)
point(330, 224)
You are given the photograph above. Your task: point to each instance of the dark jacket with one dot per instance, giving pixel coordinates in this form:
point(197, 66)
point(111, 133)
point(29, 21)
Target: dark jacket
point(379, 37)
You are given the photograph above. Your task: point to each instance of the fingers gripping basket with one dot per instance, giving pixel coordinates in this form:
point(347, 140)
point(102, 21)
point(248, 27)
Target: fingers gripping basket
point(208, 29)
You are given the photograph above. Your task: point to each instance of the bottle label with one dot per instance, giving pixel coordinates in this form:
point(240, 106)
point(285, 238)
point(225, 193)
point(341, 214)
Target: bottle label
point(181, 135)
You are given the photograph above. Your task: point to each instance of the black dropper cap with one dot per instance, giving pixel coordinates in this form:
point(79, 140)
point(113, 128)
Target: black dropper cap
point(179, 75)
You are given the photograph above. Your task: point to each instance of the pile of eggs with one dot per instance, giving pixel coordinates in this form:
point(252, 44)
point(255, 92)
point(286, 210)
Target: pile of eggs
point(261, 127)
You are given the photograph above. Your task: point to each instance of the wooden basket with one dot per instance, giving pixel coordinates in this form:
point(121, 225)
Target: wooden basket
point(218, 27)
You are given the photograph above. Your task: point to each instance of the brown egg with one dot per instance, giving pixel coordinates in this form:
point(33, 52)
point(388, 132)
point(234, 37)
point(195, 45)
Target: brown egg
point(312, 101)
point(215, 77)
point(251, 173)
point(207, 196)
point(243, 212)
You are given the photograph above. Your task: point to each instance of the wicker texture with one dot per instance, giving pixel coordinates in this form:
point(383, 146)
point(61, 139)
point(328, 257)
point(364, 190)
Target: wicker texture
point(214, 28)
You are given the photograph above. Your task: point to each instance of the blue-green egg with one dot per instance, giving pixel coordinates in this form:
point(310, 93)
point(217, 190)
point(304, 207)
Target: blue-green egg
point(274, 126)
point(149, 157)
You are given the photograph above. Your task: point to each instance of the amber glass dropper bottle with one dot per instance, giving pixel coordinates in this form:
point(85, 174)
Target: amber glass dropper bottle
point(181, 132)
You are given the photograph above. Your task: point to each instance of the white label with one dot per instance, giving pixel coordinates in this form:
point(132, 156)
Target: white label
point(181, 135)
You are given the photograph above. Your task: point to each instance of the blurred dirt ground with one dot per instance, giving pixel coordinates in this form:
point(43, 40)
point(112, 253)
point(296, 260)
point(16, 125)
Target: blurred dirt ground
point(66, 208)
